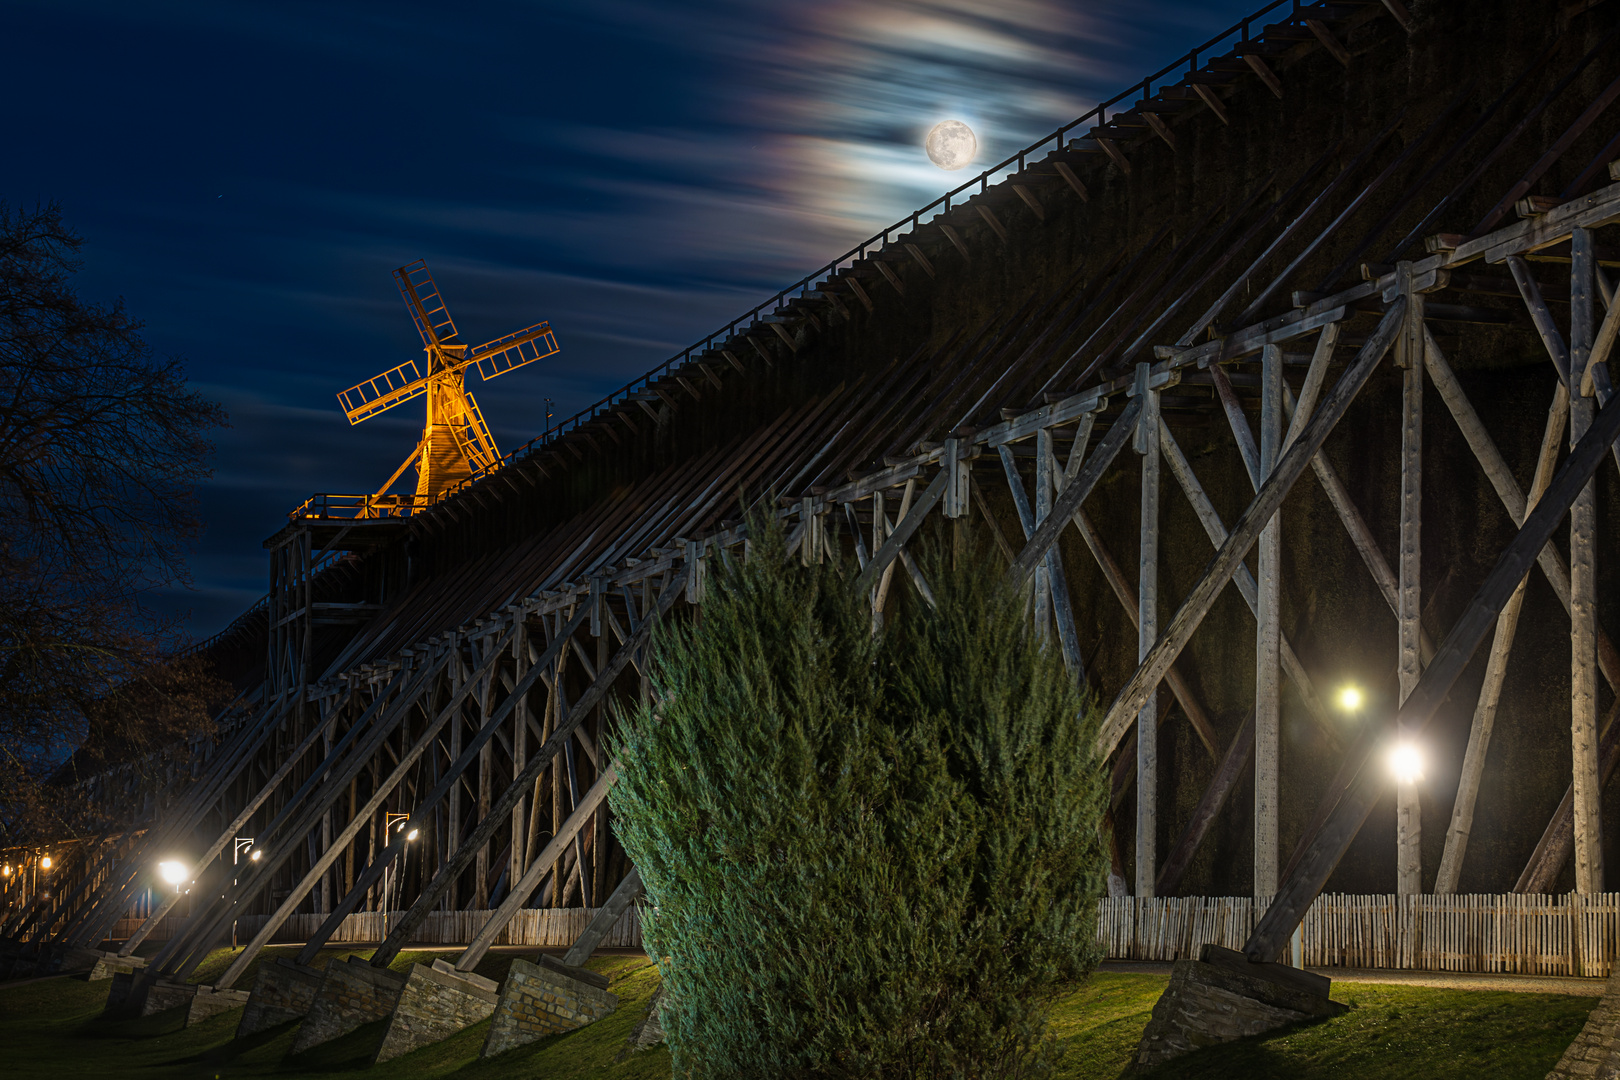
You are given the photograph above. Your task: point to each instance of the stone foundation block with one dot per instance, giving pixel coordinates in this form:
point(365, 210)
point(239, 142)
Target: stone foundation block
point(437, 1002)
point(649, 1032)
point(1221, 997)
point(163, 995)
point(351, 994)
point(73, 958)
point(1595, 1053)
point(111, 964)
point(123, 982)
point(282, 991)
point(210, 1001)
point(543, 999)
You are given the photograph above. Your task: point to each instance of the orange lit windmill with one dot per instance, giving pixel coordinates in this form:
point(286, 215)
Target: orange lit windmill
point(456, 443)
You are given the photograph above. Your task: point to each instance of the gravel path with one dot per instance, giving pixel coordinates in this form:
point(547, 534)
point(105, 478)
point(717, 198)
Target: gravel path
point(1523, 984)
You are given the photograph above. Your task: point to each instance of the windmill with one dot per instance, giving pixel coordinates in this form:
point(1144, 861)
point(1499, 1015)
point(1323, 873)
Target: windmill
point(456, 443)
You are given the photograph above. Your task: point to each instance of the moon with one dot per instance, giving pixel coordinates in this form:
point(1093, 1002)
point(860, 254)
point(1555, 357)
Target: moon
point(951, 144)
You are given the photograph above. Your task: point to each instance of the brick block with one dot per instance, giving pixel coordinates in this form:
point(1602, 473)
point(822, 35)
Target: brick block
point(545, 998)
point(351, 994)
point(436, 1002)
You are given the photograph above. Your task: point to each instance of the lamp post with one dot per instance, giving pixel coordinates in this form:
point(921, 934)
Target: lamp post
point(393, 822)
point(238, 845)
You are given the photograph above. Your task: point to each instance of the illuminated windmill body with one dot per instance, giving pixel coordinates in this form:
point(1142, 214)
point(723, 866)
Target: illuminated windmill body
point(456, 443)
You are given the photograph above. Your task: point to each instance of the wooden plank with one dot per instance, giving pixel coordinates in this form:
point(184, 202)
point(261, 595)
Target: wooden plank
point(1586, 784)
point(1268, 639)
point(903, 532)
point(1147, 717)
point(1409, 562)
point(1247, 530)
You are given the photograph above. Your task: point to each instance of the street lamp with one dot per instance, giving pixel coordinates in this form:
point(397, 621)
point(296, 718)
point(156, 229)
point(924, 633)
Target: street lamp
point(1406, 762)
point(1350, 699)
point(393, 822)
point(45, 862)
point(174, 872)
point(238, 845)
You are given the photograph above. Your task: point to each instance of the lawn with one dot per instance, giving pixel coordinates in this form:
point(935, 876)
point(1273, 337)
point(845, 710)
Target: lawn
point(53, 1029)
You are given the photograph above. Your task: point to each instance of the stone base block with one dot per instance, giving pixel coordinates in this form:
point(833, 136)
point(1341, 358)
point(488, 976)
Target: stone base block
point(437, 1002)
point(123, 982)
point(649, 1032)
point(282, 991)
point(163, 995)
point(543, 999)
point(74, 958)
point(210, 1001)
point(1595, 1053)
point(1221, 997)
point(111, 964)
point(351, 994)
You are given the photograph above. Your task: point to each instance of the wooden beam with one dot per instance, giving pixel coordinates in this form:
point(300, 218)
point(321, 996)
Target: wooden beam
point(1263, 70)
point(1409, 562)
point(1161, 129)
point(1227, 775)
point(1114, 152)
point(909, 523)
point(991, 220)
point(1586, 784)
point(1147, 716)
point(1268, 640)
point(1329, 41)
point(1213, 100)
point(1030, 200)
point(1072, 180)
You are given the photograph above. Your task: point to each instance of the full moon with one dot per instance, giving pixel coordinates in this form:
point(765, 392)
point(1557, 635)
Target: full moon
point(951, 144)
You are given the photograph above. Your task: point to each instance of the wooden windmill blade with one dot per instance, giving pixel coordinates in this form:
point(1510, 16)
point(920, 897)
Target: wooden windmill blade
point(513, 351)
point(427, 307)
point(383, 392)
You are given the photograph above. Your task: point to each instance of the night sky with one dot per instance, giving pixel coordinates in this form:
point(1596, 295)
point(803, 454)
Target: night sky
point(638, 173)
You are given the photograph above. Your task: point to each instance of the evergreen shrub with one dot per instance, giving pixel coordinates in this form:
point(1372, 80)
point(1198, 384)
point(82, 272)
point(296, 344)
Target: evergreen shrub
point(865, 855)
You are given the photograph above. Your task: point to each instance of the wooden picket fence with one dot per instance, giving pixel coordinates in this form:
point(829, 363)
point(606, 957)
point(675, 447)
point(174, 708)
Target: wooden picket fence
point(530, 926)
point(1514, 934)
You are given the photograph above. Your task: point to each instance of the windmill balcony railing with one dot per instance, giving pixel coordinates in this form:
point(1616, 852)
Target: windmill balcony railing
point(327, 505)
point(1236, 39)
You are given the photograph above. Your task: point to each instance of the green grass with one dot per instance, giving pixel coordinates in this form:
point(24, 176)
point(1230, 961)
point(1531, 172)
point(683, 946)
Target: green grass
point(54, 1029)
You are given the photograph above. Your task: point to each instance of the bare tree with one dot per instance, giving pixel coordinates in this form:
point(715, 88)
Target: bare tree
point(101, 448)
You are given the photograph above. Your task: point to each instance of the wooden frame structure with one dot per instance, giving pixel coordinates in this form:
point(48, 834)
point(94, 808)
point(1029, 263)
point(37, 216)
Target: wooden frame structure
point(449, 723)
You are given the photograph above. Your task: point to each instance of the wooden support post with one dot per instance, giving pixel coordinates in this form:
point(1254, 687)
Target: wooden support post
point(1409, 667)
point(1268, 639)
point(1583, 587)
point(1147, 717)
point(1043, 506)
point(520, 745)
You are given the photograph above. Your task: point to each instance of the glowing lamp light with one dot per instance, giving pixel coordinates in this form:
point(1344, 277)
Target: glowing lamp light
point(173, 872)
point(254, 854)
point(45, 863)
point(1350, 699)
point(1406, 763)
point(7, 871)
point(411, 835)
